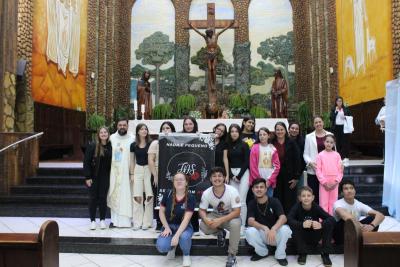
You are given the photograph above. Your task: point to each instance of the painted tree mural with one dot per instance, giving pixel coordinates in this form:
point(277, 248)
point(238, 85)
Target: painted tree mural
point(279, 50)
point(155, 50)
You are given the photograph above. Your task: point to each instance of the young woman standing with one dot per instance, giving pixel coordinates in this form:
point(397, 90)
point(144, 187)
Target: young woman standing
point(96, 167)
point(141, 178)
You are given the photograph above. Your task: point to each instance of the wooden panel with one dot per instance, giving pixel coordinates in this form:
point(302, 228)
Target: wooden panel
point(63, 129)
point(17, 163)
point(367, 136)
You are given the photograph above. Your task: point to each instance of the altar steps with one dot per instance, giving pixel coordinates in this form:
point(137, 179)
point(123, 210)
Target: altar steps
point(61, 192)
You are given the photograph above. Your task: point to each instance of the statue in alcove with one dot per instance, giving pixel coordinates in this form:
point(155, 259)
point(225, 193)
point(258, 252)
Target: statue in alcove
point(144, 96)
point(279, 96)
point(211, 38)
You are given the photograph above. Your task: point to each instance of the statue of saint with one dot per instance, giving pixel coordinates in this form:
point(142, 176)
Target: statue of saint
point(144, 96)
point(279, 96)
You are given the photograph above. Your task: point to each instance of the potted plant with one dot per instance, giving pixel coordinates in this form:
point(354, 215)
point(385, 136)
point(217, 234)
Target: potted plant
point(162, 111)
point(184, 104)
point(238, 104)
point(258, 112)
point(304, 116)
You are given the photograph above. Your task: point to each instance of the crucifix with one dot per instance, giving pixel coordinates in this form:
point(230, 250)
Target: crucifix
point(211, 38)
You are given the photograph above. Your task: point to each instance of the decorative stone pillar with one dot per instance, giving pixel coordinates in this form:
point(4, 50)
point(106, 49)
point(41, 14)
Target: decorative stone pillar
point(396, 36)
point(241, 61)
point(241, 50)
point(182, 59)
point(9, 102)
point(182, 48)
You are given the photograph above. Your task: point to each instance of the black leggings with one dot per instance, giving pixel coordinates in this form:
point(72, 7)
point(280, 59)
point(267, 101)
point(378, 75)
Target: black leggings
point(342, 141)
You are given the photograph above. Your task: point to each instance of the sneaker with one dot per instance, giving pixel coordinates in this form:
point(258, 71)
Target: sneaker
point(231, 261)
point(326, 260)
point(282, 262)
point(111, 225)
point(144, 227)
point(257, 257)
point(186, 261)
point(242, 229)
point(136, 227)
point(103, 225)
point(302, 259)
point(221, 238)
point(93, 225)
point(171, 254)
point(196, 233)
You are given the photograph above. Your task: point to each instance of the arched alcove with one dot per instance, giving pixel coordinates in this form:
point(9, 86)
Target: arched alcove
point(153, 22)
point(270, 25)
point(198, 11)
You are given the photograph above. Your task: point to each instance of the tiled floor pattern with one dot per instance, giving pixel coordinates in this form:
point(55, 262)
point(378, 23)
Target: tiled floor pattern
point(80, 227)
point(92, 260)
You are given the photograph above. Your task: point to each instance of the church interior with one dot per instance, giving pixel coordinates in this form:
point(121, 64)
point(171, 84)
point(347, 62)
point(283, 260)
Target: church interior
point(68, 67)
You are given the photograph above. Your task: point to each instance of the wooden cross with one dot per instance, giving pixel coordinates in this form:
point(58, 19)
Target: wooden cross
point(211, 22)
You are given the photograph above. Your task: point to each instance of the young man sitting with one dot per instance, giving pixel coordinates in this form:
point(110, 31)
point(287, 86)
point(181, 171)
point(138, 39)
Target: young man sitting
point(225, 201)
point(310, 223)
point(266, 220)
point(348, 207)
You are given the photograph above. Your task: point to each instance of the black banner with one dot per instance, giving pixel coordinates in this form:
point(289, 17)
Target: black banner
point(192, 154)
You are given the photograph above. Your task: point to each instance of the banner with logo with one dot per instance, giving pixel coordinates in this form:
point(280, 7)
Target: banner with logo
point(192, 154)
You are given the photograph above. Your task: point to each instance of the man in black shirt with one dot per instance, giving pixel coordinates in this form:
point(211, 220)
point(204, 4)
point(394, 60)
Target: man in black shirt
point(310, 223)
point(266, 224)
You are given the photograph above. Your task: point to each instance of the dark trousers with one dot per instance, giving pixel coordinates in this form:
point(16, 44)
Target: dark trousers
point(306, 238)
point(312, 181)
point(338, 233)
point(155, 203)
point(342, 141)
point(95, 200)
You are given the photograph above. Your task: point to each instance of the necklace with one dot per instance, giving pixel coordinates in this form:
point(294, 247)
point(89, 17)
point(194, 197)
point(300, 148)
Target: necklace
point(263, 212)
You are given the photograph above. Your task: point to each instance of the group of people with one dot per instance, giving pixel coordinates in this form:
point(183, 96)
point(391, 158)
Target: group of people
point(122, 173)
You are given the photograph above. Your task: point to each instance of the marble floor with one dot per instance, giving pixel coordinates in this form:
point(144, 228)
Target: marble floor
point(86, 260)
point(80, 227)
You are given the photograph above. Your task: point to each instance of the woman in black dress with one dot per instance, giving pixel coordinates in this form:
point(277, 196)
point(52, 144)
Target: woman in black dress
point(96, 167)
point(289, 174)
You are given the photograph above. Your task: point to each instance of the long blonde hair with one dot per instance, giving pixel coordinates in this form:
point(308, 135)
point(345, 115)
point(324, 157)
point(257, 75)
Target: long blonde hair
point(99, 148)
point(172, 215)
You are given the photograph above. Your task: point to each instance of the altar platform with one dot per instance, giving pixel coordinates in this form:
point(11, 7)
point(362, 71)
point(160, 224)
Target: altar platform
point(205, 125)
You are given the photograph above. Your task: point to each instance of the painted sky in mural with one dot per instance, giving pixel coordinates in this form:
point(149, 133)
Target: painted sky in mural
point(364, 49)
point(148, 17)
point(267, 19)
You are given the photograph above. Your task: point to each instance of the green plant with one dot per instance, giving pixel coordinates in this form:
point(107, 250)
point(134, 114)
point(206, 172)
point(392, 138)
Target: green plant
point(162, 111)
point(238, 103)
point(184, 104)
point(326, 119)
point(304, 116)
point(121, 112)
point(94, 122)
point(258, 112)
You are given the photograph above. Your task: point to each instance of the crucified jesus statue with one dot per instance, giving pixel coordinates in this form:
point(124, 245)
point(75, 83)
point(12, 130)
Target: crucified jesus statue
point(211, 38)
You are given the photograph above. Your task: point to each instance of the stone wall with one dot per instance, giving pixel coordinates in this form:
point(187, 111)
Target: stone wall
point(8, 102)
point(396, 36)
point(315, 45)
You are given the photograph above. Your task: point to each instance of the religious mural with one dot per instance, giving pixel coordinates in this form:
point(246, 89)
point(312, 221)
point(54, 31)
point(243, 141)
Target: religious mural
point(59, 53)
point(152, 48)
point(364, 49)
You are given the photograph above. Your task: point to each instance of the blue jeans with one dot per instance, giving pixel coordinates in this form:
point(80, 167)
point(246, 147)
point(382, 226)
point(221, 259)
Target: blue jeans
point(185, 240)
point(256, 238)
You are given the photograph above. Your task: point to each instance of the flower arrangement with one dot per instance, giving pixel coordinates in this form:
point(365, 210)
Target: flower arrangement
point(195, 114)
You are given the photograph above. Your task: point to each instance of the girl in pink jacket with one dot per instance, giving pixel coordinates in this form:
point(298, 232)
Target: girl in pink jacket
point(329, 172)
point(264, 161)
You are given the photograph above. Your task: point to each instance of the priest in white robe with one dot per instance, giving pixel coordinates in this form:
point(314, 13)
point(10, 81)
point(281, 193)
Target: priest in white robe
point(119, 197)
